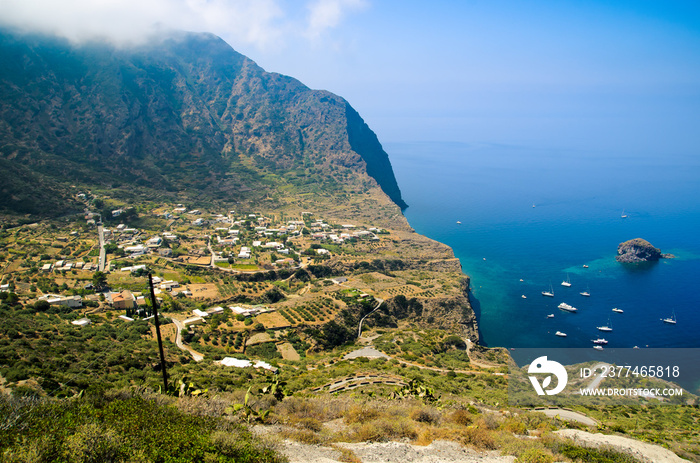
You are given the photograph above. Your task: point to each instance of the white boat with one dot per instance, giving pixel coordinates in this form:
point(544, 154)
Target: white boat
point(567, 307)
point(598, 347)
point(549, 293)
point(671, 320)
point(566, 282)
point(459, 223)
point(605, 327)
point(585, 293)
point(618, 310)
point(624, 216)
point(551, 315)
point(585, 266)
point(560, 334)
point(524, 296)
point(599, 341)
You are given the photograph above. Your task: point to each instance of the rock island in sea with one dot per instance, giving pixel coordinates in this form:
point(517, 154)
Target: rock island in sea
point(639, 250)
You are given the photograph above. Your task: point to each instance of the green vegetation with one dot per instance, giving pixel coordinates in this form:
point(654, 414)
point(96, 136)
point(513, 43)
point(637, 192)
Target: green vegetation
point(121, 428)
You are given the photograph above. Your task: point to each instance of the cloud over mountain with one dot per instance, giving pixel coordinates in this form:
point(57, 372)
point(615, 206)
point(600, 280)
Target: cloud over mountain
point(262, 23)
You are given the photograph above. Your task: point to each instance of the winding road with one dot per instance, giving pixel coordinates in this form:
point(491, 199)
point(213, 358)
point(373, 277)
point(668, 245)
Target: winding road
point(178, 341)
point(359, 328)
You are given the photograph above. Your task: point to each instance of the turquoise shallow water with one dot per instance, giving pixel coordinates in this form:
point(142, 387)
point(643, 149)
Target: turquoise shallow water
point(579, 198)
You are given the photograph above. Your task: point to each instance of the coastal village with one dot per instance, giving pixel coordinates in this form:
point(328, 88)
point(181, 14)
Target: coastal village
point(226, 279)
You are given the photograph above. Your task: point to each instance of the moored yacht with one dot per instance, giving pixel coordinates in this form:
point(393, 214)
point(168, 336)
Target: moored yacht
point(560, 334)
point(567, 307)
point(599, 341)
point(617, 310)
point(605, 327)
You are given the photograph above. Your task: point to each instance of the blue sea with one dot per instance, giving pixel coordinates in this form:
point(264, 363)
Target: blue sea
point(511, 249)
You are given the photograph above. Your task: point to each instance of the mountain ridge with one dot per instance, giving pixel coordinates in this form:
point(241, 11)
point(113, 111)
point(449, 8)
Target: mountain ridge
point(189, 102)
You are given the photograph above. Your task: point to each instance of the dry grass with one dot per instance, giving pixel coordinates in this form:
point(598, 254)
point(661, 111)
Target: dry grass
point(346, 455)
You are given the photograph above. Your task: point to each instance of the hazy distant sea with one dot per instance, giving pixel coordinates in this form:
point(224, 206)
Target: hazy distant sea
point(579, 197)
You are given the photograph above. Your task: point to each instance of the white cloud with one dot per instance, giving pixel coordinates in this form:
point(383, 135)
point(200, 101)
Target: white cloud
point(327, 14)
point(261, 23)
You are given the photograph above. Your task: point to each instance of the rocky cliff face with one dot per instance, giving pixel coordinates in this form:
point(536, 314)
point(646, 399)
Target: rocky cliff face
point(185, 113)
point(638, 250)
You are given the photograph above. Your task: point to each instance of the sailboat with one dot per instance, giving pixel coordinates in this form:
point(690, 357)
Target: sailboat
point(549, 293)
point(566, 282)
point(671, 320)
point(624, 216)
point(586, 293)
point(606, 327)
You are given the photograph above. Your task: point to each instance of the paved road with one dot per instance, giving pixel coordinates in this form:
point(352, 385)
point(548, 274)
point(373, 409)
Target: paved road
point(359, 328)
point(598, 375)
point(103, 254)
point(178, 341)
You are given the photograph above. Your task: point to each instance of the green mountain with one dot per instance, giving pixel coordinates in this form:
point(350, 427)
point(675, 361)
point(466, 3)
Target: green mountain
point(185, 114)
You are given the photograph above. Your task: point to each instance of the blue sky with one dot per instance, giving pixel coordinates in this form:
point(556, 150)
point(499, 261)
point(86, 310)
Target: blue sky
point(590, 74)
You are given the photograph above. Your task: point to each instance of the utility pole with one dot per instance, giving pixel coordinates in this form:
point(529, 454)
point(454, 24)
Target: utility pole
point(154, 303)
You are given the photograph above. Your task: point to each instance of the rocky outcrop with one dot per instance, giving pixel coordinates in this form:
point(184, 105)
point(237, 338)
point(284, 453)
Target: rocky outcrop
point(639, 250)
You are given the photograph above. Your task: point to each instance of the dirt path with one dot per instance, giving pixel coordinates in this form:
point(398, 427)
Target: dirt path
point(476, 362)
point(648, 453)
point(392, 452)
point(568, 415)
point(451, 452)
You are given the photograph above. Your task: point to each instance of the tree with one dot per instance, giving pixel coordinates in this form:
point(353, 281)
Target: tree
point(41, 306)
point(99, 280)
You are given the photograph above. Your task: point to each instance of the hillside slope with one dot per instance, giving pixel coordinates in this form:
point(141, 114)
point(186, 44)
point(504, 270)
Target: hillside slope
point(185, 113)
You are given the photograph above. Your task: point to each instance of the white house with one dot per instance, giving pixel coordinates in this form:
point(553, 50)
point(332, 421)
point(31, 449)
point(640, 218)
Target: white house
point(215, 310)
point(193, 321)
point(245, 253)
point(154, 242)
point(68, 301)
point(200, 313)
point(81, 322)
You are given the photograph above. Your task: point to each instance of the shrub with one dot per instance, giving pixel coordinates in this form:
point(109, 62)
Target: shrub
point(426, 415)
point(462, 417)
point(535, 456)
